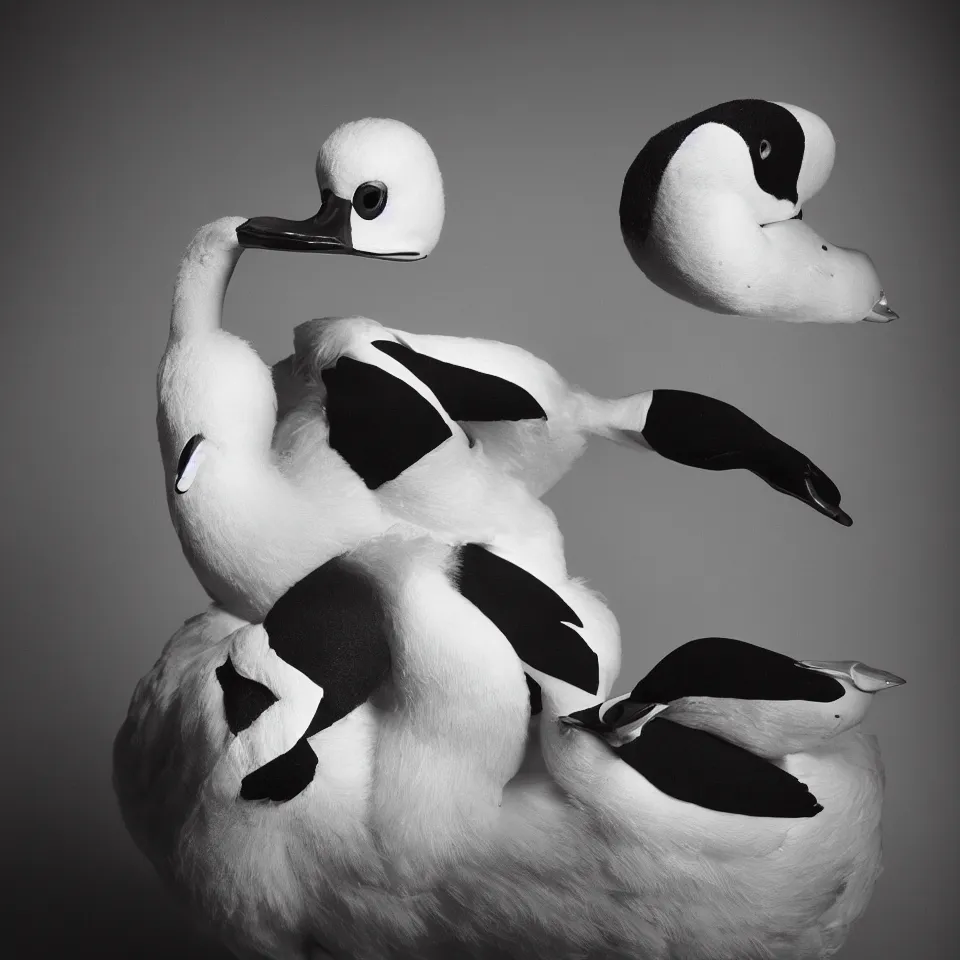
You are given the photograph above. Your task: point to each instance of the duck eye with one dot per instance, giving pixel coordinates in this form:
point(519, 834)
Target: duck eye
point(765, 149)
point(370, 199)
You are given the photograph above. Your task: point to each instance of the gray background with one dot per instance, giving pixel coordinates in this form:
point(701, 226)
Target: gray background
point(128, 125)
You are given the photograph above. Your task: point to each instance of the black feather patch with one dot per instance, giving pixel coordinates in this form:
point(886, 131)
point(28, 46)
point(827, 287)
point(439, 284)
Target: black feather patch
point(282, 778)
point(701, 431)
point(466, 394)
point(723, 667)
point(536, 695)
point(379, 424)
point(704, 432)
point(697, 767)
point(243, 699)
point(776, 166)
point(332, 626)
point(530, 615)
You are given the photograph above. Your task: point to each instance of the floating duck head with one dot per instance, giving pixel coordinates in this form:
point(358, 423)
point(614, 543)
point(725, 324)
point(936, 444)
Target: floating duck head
point(711, 212)
point(764, 701)
point(381, 196)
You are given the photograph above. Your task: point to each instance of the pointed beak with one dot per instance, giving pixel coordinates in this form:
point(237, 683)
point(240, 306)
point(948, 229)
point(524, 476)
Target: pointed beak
point(831, 510)
point(588, 719)
point(881, 312)
point(867, 679)
point(328, 231)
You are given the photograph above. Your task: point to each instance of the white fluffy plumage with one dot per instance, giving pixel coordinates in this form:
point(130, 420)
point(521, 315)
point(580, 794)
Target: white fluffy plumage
point(425, 831)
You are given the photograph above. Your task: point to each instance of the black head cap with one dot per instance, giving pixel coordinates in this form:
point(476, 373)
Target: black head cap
point(773, 136)
point(722, 667)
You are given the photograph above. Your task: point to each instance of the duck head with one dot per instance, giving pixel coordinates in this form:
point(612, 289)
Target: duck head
point(699, 194)
point(776, 156)
point(381, 196)
point(761, 700)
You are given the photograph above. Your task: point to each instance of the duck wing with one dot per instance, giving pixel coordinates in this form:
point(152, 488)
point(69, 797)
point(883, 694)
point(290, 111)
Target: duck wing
point(696, 767)
point(537, 622)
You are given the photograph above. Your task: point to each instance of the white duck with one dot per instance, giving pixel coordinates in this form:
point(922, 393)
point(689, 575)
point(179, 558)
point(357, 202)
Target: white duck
point(228, 465)
point(299, 500)
point(711, 212)
point(254, 525)
point(217, 404)
point(746, 816)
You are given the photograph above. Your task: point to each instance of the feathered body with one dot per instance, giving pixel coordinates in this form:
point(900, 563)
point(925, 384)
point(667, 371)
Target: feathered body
point(325, 763)
point(725, 887)
point(591, 861)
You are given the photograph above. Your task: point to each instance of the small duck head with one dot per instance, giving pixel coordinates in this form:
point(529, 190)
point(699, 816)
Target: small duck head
point(774, 155)
point(706, 212)
point(381, 193)
point(764, 701)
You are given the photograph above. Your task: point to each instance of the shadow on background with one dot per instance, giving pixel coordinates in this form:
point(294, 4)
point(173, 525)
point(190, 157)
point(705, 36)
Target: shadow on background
point(117, 911)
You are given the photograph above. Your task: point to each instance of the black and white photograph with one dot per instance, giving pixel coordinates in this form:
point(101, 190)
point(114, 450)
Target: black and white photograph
point(480, 480)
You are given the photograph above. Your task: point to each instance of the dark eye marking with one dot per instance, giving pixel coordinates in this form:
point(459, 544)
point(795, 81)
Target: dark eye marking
point(369, 199)
point(765, 149)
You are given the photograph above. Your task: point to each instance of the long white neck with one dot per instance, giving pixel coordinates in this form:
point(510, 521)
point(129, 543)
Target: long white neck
point(205, 271)
point(239, 524)
point(211, 382)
